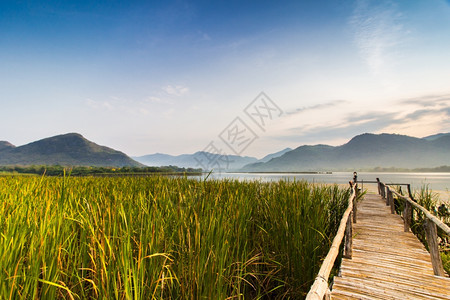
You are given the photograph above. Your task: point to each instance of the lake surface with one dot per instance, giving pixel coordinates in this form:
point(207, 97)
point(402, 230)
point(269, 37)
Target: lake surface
point(435, 181)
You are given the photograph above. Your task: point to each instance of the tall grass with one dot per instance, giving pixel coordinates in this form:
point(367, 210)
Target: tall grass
point(163, 238)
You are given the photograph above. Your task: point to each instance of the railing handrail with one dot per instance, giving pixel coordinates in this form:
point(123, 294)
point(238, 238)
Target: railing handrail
point(320, 285)
point(430, 226)
point(428, 214)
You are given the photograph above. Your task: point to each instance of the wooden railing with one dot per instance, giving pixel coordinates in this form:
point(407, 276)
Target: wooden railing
point(387, 192)
point(319, 289)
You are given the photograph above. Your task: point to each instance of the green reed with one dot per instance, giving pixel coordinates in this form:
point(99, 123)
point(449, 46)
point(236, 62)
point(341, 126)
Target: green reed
point(163, 238)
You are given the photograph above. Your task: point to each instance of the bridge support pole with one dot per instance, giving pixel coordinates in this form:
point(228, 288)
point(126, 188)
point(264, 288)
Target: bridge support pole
point(407, 215)
point(391, 201)
point(355, 205)
point(409, 193)
point(348, 238)
point(386, 195)
point(379, 186)
point(433, 247)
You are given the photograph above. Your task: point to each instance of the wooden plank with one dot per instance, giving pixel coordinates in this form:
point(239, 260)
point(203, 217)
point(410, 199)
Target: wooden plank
point(379, 289)
point(387, 262)
point(416, 280)
point(386, 290)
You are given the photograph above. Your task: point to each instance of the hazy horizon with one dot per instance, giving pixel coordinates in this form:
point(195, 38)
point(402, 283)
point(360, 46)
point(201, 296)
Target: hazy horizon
point(173, 77)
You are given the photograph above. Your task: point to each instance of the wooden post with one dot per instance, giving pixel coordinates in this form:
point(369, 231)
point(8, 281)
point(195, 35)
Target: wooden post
point(433, 247)
point(348, 238)
point(355, 205)
point(391, 201)
point(387, 195)
point(327, 295)
point(407, 214)
point(409, 192)
point(379, 186)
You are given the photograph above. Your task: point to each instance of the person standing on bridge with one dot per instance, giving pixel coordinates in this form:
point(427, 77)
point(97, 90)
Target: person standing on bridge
point(355, 177)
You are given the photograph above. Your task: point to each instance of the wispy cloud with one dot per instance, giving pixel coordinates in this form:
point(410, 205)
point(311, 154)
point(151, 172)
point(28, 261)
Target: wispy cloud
point(377, 31)
point(418, 116)
point(372, 117)
point(350, 124)
point(429, 100)
point(204, 36)
point(433, 109)
point(103, 105)
point(319, 106)
point(154, 99)
point(176, 90)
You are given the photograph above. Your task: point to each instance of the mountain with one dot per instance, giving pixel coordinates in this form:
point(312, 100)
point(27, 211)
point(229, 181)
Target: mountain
point(199, 159)
point(435, 136)
point(273, 155)
point(66, 150)
point(6, 145)
point(364, 151)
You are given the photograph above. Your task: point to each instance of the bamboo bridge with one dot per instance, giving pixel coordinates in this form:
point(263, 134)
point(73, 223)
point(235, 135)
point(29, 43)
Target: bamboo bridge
point(382, 258)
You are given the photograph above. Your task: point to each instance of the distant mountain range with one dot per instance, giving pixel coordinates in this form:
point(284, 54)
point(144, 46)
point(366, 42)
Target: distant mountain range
point(274, 155)
point(199, 159)
point(66, 150)
point(364, 151)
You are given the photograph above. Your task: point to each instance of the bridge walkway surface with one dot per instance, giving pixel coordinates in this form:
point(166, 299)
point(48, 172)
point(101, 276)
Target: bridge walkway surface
point(387, 263)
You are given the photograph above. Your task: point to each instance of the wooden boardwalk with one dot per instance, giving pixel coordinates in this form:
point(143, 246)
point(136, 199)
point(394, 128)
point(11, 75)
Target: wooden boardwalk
point(387, 262)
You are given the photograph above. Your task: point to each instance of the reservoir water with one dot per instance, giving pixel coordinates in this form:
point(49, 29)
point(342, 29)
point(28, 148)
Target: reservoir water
point(435, 181)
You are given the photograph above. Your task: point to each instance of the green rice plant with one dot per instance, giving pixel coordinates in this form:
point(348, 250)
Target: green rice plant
point(445, 256)
point(427, 199)
point(163, 238)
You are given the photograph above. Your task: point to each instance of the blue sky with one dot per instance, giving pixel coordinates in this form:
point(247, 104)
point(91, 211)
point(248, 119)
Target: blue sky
point(170, 76)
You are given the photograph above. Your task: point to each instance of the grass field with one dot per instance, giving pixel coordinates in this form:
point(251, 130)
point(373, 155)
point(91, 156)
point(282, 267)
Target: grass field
point(162, 238)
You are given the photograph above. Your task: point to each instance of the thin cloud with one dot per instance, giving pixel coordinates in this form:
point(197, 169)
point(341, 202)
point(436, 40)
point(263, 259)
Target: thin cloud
point(421, 113)
point(431, 106)
point(377, 31)
point(104, 105)
point(429, 100)
point(371, 116)
point(367, 122)
point(400, 120)
point(175, 90)
point(416, 117)
point(204, 36)
point(153, 99)
point(319, 106)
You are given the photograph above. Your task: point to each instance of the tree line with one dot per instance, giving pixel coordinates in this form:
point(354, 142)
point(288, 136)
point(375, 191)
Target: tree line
point(86, 171)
